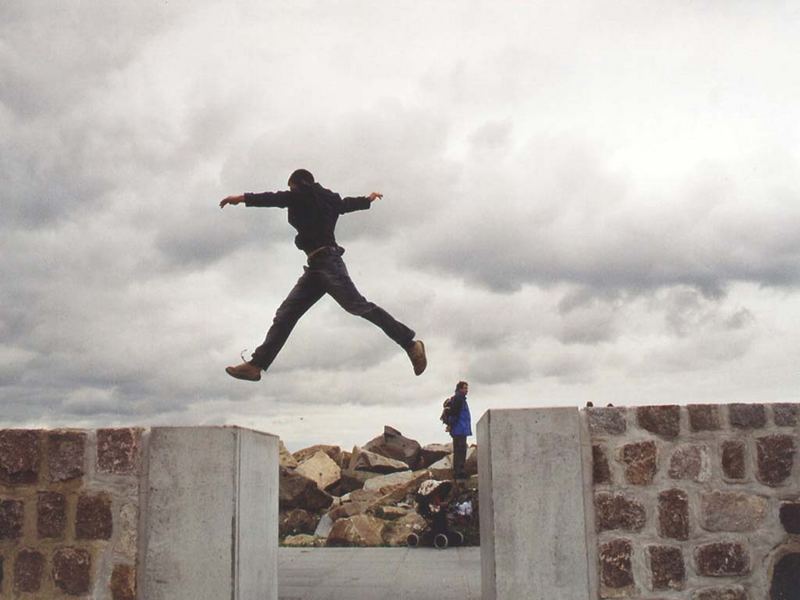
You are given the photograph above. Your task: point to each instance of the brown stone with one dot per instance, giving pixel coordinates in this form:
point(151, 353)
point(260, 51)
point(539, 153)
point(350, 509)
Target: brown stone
point(616, 511)
point(747, 416)
point(732, 511)
point(640, 459)
point(123, 583)
point(790, 516)
point(12, 514)
point(661, 420)
point(601, 473)
point(364, 460)
point(394, 444)
point(359, 530)
point(93, 520)
point(721, 593)
point(333, 452)
point(608, 421)
point(690, 462)
point(786, 578)
point(703, 417)
point(321, 469)
point(350, 481)
point(296, 491)
point(673, 514)
point(51, 515)
point(396, 532)
point(666, 568)
point(303, 540)
point(733, 460)
point(118, 450)
point(296, 521)
point(28, 571)
point(616, 571)
point(285, 458)
point(434, 453)
point(19, 456)
point(72, 570)
point(722, 559)
point(65, 455)
point(775, 457)
point(785, 415)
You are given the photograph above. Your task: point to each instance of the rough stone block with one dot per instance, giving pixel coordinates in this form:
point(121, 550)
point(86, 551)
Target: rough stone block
point(118, 451)
point(666, 568)
point(790, 516)
point(703, 417)
point(722, 559)
point(65, 455)
point(616, 511)
point(616, 571)
point(28, 571)
point(51, 515)
point(786, 578)
point(640, 461)
point(72, 570)
point(607, 421)
point(93, 519)
point(600, 471)
point(775, 457)
point(732, 511)
point(735, 592)
point(661, 420)
point(733, 460)
point(785, 415)
point(12, 514)
point(673, 514)
point(690, 462)
point(123, 582)
point(747, 416)
point(19, 456)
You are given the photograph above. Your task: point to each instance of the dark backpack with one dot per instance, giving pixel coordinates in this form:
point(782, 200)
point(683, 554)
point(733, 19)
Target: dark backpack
point(447, 411)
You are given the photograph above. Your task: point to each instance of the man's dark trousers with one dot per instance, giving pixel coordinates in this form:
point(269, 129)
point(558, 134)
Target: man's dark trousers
point(459, 456)
point(326, 273)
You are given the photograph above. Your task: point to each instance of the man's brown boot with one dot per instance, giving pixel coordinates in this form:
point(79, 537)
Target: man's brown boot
point(416, 352)
point(246, 371)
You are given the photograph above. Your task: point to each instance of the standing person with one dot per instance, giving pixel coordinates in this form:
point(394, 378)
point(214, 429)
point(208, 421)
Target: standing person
point(313, 212)
point(459, 424)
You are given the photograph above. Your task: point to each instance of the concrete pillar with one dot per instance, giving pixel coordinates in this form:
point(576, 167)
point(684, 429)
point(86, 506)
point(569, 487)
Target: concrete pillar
point(209, 520)
point(532, 516)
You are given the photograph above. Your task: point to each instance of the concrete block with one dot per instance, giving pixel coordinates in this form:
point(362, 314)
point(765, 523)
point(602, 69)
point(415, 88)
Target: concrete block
point(210, 522)
point(532, 513)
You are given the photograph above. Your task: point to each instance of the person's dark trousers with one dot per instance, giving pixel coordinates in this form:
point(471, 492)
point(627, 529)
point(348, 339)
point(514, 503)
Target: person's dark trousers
point(326, 273)
point(459, 456)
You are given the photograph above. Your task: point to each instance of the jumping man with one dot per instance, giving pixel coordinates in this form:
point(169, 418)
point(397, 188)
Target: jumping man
point(313, 211)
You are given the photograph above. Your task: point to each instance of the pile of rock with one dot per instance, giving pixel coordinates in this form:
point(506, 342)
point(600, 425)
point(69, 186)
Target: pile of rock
point(331, 497)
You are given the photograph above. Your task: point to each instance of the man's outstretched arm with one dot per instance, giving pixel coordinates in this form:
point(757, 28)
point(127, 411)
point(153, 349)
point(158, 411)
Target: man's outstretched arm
point(359, 202)
point(269, 199)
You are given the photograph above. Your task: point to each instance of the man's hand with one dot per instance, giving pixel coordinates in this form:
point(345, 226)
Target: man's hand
point(375, 196)
point(231, 200)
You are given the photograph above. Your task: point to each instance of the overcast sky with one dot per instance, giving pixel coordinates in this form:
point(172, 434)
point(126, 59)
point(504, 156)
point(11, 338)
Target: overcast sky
point(583, 201)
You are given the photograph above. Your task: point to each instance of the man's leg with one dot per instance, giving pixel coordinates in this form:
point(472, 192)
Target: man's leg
point(459, 456)
point(304, 294)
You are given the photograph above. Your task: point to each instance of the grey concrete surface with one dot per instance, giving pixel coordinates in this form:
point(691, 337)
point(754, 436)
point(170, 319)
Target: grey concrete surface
point(379, 574)
point(533, 536)
point(209, 520)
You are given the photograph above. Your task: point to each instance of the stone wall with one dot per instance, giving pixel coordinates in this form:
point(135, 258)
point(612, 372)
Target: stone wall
point(69, 513)
point(699, 502)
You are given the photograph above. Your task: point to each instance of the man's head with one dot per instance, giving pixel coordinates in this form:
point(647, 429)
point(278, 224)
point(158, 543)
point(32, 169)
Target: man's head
point(462, 387)
point(300, 179)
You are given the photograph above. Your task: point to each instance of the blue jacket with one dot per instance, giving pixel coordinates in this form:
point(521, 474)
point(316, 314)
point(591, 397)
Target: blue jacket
point(461, 421)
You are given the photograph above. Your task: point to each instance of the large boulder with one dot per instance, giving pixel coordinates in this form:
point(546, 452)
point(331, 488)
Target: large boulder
point(385, 483)
point(360, 530)
point(396, 532)
point(471, 463)
point(297, 491)
point(442, 469)
point(285, 457)
point(433, 453)
point(364, 460)
point(334, 452)
point(393, 444)
point(351, 481)
point(296, 521)
point(321, 469)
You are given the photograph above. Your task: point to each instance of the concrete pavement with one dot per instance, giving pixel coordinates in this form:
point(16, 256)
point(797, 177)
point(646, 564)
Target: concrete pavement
point(379, 574)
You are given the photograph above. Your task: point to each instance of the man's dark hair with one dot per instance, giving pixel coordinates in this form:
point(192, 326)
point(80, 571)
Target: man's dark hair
point(301, 178)
point(460, 385)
